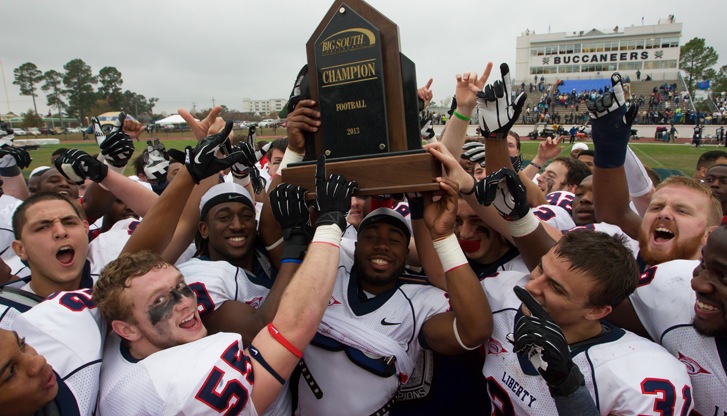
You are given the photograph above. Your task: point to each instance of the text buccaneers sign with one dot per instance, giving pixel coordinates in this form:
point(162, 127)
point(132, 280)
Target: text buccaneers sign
point(601, 57)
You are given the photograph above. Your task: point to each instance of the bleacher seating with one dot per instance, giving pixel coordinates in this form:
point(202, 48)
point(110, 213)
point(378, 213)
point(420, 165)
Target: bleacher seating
point(581, 85)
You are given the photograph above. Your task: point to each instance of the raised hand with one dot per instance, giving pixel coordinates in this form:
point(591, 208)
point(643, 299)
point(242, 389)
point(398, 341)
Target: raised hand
point(117, 147)
point(506, 192)
point(304, 119)
point(474, 152)
point(498, 112)
point(333, 196)
point(425, 95)
point(201, 128)
point(540, 339)
point(290, 210)
point(440, 216)
point(467, 86)
point(454, 170)
point(11, 156)
point(156, 161)
point(427, 130)
point(611, 125)
point(203, 161)
point(78, 165)
point(246, 166)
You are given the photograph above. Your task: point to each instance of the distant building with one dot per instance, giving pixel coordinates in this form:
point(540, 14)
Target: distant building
point(651, 49)
point(263, 107)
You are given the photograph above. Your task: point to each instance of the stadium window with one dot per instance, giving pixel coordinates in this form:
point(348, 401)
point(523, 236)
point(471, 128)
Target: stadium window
point(669, 42)
point(551, 50)
point(610, 46)
point(652, 43)
point(629, 65)
point(537, 51)
point(567, 69)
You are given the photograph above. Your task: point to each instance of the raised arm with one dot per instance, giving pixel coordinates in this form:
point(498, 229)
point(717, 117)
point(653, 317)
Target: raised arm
point(12, 160)
point(611, 121)
point(465, 94)
point(156, 229)
point(470, 323)
point(306, 297)
point(289, 207)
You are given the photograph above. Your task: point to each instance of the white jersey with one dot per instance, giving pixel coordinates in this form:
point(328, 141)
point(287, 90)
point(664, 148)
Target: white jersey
point(208, 376)
point(7, 316)
point(68, 330)
point(351, 359)
point(108, 245)
point(8, 205)
point(555, 216)
point(664, 302)
point(216, 282)
point(625, 374)
point(612, 230)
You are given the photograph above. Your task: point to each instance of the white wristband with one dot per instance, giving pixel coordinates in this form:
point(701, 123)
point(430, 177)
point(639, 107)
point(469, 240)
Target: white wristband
point(524, 225)
point(459, 340)
point(450, 253)
point(289, 157)
point(241, 181)
point(275, 244)
point(328, 234)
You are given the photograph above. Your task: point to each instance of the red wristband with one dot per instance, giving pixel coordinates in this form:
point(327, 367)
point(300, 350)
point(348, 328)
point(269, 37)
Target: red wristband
point(284, 342)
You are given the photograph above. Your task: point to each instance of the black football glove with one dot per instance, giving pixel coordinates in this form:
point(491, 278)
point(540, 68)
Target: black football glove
point(246, 166)
point(202, 161)
point(427, 130)
point(611, 125)
point(497, 112)
point(117, 147)
point(290, 210)
point(333, 196)
point(517, 162)
point(540, 339)
point(474, 152)
point(78, 165)
point(13, 159)
point(506, 192)
point(156, 161)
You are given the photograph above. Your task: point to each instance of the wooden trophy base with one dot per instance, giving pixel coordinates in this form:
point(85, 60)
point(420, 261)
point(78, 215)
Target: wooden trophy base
point(391, 173)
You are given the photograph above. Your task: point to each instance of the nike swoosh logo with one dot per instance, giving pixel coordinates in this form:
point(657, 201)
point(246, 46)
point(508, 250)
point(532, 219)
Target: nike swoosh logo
point(196, 158)
point(384, 322)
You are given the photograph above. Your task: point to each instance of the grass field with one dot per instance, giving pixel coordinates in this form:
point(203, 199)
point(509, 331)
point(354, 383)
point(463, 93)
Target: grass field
point(652, 154)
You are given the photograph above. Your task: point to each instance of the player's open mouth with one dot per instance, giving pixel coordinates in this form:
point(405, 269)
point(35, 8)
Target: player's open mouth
point(190, 322)
point(662, 234)
point(469, 246)
point(65, 255)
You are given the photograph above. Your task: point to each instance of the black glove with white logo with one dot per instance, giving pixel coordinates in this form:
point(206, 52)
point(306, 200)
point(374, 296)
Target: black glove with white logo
point(611, 125)
point(333, 196)
point(290, 210)
point(156, 161)
point(427, 130)
point(203, 161)
point(117, 147)
point(506, 192)
point(13, 159)
point(498, 112)
point(539, 338)
point(78, 165)
point(474, 152)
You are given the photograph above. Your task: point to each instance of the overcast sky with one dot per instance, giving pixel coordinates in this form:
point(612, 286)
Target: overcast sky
point(185, 52)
